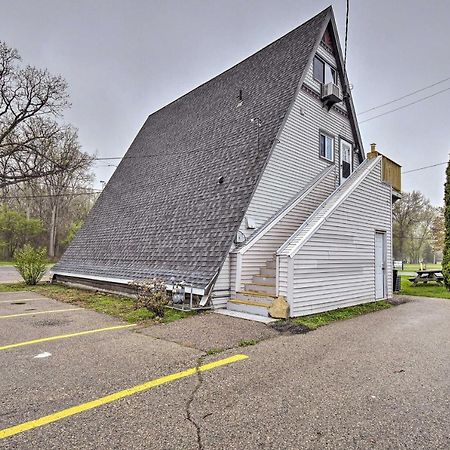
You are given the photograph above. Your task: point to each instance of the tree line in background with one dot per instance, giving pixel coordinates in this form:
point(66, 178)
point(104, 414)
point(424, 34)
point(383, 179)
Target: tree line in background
point(418, 229)
point(45, 178)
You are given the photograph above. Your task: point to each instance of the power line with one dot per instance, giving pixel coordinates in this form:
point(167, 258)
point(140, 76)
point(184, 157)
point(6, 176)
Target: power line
point(31, 197)
point(198, 150)
point(425, 167)
point(405, 106)
point(404, 96)
point(346, 33)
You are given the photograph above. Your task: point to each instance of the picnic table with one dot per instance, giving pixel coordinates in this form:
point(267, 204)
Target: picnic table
point(424, 276)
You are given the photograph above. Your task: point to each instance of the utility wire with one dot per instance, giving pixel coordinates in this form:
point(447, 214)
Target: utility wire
point(405, 106)
point(404, 96)
point(346, 33)
point(425, 167)
point(30, 197)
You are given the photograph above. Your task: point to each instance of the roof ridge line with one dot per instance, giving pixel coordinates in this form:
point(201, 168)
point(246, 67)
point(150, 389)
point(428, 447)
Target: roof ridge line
point(329, 8)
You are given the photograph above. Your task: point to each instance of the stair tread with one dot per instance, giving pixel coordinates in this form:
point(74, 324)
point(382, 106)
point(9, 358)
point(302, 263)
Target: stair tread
point(257, 294)
point(259, 284)
point(250, 302)
point(246, 316)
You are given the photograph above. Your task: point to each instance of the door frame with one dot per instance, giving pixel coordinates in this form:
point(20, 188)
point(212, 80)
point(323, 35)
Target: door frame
point(384, 263)
point(350, 143)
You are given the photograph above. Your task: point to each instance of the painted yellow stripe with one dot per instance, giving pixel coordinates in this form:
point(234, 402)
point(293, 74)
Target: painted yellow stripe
point(7, 432)
point(14, 300)
point(65, 336)
point(7, 316)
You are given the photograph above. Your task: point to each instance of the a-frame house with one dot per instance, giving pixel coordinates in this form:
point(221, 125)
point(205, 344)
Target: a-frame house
point(253, 189)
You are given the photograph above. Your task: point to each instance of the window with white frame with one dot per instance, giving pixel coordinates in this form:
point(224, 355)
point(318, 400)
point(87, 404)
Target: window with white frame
point(326, 146)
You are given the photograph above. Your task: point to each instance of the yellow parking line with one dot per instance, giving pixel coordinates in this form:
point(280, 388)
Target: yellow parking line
point(65, 336)
point(23, 300)
point(7, 316)
point(7, 432)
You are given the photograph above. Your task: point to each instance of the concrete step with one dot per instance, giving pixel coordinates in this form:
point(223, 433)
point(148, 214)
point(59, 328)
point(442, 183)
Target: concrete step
point(265, 272)
point(264, 280)
point(251, 296)
point(266, 288)
point(246, 316)
point(249, 307)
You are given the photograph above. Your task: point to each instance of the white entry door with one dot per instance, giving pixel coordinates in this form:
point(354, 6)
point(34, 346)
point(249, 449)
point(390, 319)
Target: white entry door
point(346, 160)
point(380, 265)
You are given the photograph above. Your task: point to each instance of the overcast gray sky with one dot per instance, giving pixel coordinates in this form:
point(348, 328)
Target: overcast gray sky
point(125, 59)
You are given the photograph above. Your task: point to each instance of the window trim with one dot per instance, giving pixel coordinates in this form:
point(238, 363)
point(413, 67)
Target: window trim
point(325, 63)
point(333, 138)
point(352, 153)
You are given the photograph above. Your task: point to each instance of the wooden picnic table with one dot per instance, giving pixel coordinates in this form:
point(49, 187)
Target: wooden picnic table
point(424, 276)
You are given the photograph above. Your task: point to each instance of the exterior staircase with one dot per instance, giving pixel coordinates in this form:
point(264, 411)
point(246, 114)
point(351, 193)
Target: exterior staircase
point(257, 296)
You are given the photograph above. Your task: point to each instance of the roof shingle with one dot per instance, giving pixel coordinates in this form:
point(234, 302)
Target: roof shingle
point(164, 212)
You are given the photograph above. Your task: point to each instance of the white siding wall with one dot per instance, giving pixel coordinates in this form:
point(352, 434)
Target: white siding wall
point(265, 248)
point(221, 290)
point(295, 160)
point(335, 268)
point(294, 163)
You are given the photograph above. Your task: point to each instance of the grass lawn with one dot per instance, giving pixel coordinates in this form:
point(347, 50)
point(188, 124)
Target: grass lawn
point(11, 263)
point(416, 267)
point(315, 321)
point(114, 305)
point(424, 290)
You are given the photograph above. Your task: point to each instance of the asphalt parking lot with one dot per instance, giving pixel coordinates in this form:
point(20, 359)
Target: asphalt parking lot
point(376, 381)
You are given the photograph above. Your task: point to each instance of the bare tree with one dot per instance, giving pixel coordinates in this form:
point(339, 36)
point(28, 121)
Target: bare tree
point(61, 187)
point(31, 100)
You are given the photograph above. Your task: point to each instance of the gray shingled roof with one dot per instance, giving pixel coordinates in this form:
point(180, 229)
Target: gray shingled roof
point(164, 213)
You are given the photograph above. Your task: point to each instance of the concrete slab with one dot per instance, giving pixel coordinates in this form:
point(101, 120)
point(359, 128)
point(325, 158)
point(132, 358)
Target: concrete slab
point(211, 331)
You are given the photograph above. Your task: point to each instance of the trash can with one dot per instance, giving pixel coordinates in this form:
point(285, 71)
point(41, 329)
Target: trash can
point(396, 279)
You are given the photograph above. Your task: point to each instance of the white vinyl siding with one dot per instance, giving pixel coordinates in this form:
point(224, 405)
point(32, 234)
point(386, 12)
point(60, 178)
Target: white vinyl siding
point(295, 159)
point(336, 266)
point(265, 248)
point(221, 290)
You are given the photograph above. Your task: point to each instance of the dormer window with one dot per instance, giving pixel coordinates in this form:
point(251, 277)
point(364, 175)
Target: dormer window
point(323, 72)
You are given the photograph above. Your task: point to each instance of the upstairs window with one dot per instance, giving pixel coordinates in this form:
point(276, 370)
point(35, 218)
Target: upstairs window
point(323, 72)
point(326, 147)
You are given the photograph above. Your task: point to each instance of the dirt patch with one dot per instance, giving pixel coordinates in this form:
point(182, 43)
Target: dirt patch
point(285, 326)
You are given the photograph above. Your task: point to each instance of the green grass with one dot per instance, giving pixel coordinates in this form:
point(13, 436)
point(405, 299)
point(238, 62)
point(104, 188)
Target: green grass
point(423, 290)
point(315, 321)
point(114, 305)
point(416, 267)
point(11, 263)
point(214, 351)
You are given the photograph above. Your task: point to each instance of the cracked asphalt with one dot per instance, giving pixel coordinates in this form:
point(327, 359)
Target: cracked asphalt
point(378, 381)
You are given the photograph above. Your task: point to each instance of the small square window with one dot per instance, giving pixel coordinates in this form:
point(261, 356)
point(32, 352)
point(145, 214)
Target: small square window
point(326, 147)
